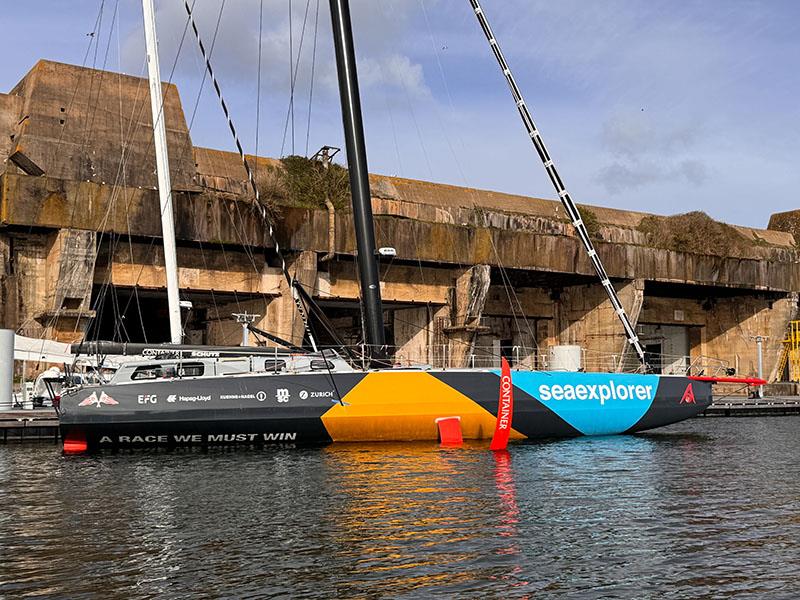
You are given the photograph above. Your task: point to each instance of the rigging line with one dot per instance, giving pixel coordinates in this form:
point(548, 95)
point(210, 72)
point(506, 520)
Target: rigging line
point(92, 39)
point(311, 85)
point(135, 123)
point(509, 289)
point(256, 205)
point(54, 320)
point(416, 125)
point(294, 68)
point(245, 243)
point(291, 78)
point(205, 72)
point(447, 90)
point(407, 96)
point(121, 136)
point(123, 166)
point(139, 310)
point(394, 135)
point(205, 268)
point(258, 83)
point(89, 130)
point(97, 33)
point(566, 199)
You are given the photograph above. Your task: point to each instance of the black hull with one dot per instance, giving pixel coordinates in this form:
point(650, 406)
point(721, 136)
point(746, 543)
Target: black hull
point(376, 406)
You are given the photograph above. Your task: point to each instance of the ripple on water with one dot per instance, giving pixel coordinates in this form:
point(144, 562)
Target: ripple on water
point(704, 508)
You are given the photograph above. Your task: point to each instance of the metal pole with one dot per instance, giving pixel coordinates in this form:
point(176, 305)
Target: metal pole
point(6, 369)
point(359, 176)
point(555, 178)
point(760, 344)
point(245, 319)
point(162, 170)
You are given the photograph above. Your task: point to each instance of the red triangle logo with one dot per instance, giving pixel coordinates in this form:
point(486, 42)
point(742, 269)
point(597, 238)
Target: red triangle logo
point(688, 395)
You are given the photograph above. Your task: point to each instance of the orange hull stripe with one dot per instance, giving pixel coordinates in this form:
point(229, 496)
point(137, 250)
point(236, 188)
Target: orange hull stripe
point(405, 406)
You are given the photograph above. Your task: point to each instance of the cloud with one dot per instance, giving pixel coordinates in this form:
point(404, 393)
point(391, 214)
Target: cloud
point(393, 71)
point(644, 152)
point(235, 52)
point(636, 133)
point(634, 174)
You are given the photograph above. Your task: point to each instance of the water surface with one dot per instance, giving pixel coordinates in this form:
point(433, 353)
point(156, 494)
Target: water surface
point(705, 508)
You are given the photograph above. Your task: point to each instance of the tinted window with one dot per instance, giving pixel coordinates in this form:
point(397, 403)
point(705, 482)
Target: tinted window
point(148, 372)
point(321, 365)
point(192, 369)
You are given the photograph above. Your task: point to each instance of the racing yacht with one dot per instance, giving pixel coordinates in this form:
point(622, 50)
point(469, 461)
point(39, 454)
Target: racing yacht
point(196, 395)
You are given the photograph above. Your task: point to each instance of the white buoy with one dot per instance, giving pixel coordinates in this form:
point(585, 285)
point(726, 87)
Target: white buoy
point(6, 369)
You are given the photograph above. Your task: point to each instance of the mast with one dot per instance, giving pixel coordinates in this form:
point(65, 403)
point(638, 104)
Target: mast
point(359, 176)
point(561, 190)
point(162, 169)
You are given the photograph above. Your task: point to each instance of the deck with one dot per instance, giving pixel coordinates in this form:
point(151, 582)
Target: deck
point(23, 425)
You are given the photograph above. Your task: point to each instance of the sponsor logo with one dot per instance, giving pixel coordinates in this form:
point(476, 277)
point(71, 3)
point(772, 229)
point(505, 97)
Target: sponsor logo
point(147, 398)
point(211, 438)
point(282, 395)
point(505, 402)
point(688, 396)
point(192, 353)
point(601, 392)
point(261, 396)
point(238, 396)
point(319, 394)
point(191, 398)
point(94, 400)
point(171, 398)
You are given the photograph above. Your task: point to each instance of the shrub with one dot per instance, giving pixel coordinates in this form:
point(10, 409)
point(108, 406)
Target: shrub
point(695, 232)
point(300, 181)
point(591, 221)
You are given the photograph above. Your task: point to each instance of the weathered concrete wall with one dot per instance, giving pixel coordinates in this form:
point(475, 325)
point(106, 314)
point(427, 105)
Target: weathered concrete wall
point(458, 245)
point(50, 291)
point(88, 125)
point(8, 313)
point(207, 217)
point(727, 327)
point(131, 264)
point(10, 107)
point(285, 319)
point(79, 163)
point(584, 316)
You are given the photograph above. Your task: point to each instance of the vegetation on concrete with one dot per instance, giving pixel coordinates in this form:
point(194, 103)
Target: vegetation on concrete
point(697, 233)
point(788, 222)
point(304, 182)
point(590, 221)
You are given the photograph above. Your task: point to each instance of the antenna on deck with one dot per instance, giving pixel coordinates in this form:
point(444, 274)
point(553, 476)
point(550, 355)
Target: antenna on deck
point(563, 195)
point(246, 319)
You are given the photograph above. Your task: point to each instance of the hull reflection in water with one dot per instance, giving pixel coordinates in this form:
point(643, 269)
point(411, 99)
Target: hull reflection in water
point(678, 513)
point(399, 405)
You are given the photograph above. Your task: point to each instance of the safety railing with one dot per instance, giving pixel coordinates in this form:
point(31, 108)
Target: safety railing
point(520, 357)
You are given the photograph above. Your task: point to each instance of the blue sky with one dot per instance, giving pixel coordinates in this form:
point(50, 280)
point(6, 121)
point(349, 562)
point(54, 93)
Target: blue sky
point(653, 105)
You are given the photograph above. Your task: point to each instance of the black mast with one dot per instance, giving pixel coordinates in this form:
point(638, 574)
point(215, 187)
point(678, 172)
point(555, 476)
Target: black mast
point(359, 176)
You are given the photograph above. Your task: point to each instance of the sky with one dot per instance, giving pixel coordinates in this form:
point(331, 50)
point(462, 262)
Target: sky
point(651, 105)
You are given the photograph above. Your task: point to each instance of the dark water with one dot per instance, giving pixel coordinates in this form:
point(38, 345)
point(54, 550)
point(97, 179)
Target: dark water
point(707, 508)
